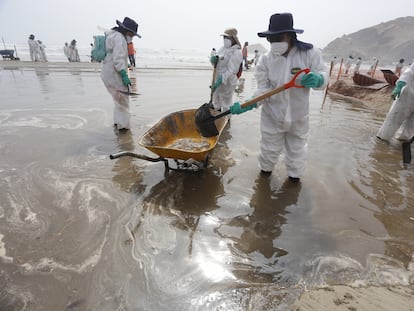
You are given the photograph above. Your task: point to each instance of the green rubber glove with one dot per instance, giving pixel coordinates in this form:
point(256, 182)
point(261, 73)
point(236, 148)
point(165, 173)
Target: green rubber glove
point(397, 90)
point(216, 84)
point(124, 76)
point(312, 79)
point(237, 109)
point(213, 59)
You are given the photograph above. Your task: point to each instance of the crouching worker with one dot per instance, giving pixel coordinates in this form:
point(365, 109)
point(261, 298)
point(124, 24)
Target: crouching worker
point(284, 120)
point(401, 114)
point(114, 69)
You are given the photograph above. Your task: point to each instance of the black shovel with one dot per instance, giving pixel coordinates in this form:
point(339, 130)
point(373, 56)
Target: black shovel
point(205, 120)
point(128, 92)
point(406, 151)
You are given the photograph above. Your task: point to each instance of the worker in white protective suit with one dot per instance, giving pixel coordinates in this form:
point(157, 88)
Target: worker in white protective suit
point(114, 69)
point(228, 61)
point(66, 51)
point(285, 116)
point(400, 117)
point(42, 50)
point(34, 49)
point(73, 52)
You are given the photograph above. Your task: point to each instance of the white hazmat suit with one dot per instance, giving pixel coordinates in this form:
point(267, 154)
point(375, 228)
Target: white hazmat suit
point(66, 51)
point(34, 48)
point(229, 60)
point(285, 116)
point(115, 60)
point(73, 53)
point(401, 114)
point(42, 51)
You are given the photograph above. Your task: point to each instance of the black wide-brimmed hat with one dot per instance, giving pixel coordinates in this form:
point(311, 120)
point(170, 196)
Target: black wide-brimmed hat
point(130, 25)
point(280, 23)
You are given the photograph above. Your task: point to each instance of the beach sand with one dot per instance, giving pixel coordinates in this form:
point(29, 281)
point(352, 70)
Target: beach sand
point(348, 298)
point(81, 232)
point(377, 99)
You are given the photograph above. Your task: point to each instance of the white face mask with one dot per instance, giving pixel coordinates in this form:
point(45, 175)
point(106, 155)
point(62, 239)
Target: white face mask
point(227, 43)
point(279, 48)
point(128, 39)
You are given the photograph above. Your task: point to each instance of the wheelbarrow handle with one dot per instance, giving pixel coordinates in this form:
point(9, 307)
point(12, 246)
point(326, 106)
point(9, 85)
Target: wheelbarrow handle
point(134, 155)
point(291, 83)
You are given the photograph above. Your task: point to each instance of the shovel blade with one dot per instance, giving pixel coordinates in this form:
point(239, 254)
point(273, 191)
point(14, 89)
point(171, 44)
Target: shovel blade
point(205, 121)
point(129, 93)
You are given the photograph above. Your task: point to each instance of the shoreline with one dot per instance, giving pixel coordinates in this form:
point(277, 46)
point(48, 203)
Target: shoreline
point(13, 64)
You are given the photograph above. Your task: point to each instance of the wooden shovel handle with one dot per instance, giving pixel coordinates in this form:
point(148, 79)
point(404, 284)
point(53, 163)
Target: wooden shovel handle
point(212, 81)
point(291, 83)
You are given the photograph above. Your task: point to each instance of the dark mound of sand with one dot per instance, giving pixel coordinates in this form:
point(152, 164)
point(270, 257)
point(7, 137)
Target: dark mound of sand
point(379, 100)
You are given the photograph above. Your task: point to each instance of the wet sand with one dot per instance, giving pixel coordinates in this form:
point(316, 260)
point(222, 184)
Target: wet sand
point(79, 231)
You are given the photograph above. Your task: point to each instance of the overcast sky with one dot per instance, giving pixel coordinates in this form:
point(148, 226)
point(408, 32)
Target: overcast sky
point(190, 24)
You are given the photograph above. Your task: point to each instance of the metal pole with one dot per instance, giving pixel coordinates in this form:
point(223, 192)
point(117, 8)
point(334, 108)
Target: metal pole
point(4, 43)
point(340, 69)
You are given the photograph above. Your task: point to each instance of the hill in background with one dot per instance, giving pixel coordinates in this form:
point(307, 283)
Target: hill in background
point(389, 42)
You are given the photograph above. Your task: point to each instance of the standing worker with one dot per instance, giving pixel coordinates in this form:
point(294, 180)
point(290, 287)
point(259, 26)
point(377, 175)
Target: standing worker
point(42, 50)
point(399, 67)
point(213, 52)
point(358, 65)
point(131, 52)
point(114, 69)
point(401, 113)
point(73, 52)
point(34, 48)
point(245, 54)
point(66, 51)
point(256, 56)
point(285, 116)
point(348, 64)
point(228, 60)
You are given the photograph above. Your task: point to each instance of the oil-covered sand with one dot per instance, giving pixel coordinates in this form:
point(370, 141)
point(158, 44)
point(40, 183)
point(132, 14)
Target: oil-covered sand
point(79, 231)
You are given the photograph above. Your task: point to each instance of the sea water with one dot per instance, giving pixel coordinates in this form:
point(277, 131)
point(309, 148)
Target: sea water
point(145, 57)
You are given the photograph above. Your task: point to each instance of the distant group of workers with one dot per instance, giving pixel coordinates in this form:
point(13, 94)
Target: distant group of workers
point(71, 51)
point(373, 65)
point(36, 50)
point(38, 54)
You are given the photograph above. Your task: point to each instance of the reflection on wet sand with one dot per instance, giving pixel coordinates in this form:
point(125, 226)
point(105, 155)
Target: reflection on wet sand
point(171, 230)
point(257, 244)
point(128, 175)
point(43, 77)
point(391, 193)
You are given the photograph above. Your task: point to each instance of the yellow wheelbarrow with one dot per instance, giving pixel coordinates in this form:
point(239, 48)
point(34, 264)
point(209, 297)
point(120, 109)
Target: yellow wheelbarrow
point(176, 138)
